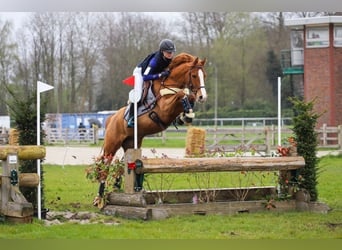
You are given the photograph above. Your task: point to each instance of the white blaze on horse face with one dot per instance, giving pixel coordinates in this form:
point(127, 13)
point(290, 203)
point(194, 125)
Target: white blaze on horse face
point(203, 96)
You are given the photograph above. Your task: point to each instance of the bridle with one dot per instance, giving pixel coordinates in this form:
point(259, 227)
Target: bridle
point(189, 85)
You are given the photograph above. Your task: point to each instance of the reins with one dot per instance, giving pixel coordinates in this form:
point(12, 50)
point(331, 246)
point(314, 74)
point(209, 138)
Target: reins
point(174, 90)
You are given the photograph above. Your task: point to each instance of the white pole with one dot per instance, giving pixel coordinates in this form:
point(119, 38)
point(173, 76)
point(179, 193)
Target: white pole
point(38, 160)
point(279, 111)
point(135, 117)
point(41, 87)
point(216, 98)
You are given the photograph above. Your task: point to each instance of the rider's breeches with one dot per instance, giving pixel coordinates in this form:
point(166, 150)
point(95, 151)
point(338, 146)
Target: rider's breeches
point(138, 81)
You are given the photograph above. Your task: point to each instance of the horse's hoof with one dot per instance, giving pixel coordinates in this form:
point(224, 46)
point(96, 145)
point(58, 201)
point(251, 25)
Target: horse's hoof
point(187, 120)
point(190, 115)
point(179, 121)
point(98, 202)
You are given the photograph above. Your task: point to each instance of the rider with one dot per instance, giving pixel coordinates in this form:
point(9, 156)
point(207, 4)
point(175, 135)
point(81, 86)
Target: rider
point(153, 67)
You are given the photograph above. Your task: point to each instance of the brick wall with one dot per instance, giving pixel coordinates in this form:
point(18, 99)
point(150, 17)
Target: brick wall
point(338, 84)
point(323, 80)
point(317, 81)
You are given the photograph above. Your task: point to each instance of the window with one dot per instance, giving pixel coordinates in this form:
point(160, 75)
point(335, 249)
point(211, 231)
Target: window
point(297, 47)
point(338, 36)
point(297, 40)
point(317, 37)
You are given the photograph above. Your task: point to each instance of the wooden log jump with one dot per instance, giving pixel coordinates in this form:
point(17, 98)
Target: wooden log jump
point(140, 204)
point(195, 165)
point(26, 180)
point(24, 152)
point(14, 205)
point(224, 164)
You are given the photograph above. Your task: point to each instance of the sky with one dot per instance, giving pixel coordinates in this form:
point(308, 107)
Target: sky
point(16, 17)
point(19, 17)
point(174, 5)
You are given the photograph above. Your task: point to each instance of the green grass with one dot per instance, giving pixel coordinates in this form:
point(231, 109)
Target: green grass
point(68, 189)
point(329, 181)
point(159, 143)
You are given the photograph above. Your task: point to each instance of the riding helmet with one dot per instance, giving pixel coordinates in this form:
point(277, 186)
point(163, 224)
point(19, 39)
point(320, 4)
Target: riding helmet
point(167, 45)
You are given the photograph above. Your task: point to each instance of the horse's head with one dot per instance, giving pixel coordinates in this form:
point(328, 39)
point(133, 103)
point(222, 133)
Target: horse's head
point(189, 72)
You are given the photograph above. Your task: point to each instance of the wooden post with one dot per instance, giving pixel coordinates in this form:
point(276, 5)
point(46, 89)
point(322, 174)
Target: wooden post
point(13, 203)
point(5, 186)
point(339, 134)
point(131, 156)
point(324, 134)
point(268, 141)
point(96, 131)
point(272, 134)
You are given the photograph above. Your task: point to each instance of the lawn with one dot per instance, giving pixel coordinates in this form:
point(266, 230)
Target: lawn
point(68, 189)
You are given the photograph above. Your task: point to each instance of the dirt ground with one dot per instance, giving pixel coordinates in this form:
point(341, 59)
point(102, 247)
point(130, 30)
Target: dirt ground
point(83, 155)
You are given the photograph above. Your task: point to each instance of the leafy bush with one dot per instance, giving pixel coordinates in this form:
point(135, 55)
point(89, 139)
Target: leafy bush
point(304, 123)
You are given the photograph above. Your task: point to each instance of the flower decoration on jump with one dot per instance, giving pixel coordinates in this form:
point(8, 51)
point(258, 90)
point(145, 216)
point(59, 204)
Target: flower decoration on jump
point(290, 149)
point(109, 171)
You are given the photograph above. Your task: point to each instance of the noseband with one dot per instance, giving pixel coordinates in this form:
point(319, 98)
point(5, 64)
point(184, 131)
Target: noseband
point(189, 85)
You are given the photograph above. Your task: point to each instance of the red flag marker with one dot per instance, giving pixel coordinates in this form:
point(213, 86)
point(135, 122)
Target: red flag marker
point(129, 81)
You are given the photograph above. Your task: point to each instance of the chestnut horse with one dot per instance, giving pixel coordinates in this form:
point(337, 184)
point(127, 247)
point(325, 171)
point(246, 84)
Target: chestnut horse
point(186, 79)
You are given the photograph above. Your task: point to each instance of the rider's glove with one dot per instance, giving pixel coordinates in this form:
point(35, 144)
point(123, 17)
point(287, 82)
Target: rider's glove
point(165, 73)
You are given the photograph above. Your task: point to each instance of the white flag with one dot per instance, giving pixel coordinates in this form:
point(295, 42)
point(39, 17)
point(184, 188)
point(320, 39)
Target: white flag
point(42, 87)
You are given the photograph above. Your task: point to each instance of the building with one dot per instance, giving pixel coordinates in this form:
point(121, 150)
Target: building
point(316, 58)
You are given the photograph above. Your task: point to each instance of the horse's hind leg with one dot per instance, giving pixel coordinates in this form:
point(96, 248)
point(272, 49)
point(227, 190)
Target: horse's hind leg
point(110, 147)
point(98, 200)
point(115, 134)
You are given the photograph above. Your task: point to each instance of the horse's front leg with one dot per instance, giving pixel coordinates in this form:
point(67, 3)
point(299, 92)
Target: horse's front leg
point(188, 114)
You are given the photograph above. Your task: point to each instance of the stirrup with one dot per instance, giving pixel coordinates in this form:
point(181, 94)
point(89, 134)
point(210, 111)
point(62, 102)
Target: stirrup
point(130, 123)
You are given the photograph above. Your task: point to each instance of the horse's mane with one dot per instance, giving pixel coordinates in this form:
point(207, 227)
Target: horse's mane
point(180, 59)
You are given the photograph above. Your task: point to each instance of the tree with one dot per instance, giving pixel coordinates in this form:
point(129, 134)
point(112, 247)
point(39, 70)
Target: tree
point(273, 71)
point(7, 62)
point(125, 39)
point(240, 55)
point(304, 123)
point(23, 111)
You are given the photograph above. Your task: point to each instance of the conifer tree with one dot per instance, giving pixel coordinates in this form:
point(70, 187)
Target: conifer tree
point(304, 123)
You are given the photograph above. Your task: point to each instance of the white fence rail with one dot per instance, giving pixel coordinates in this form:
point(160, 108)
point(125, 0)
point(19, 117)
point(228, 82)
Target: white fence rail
point(262, 138)
point(71, 136)
point(258, 138)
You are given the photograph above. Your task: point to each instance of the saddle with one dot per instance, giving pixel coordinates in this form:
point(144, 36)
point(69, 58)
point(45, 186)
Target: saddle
point(146, 103)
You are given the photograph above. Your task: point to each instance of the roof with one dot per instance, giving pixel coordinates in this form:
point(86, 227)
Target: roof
point(313, 20)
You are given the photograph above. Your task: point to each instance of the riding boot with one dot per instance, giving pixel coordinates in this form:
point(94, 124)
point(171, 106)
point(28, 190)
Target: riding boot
point(130, 122)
